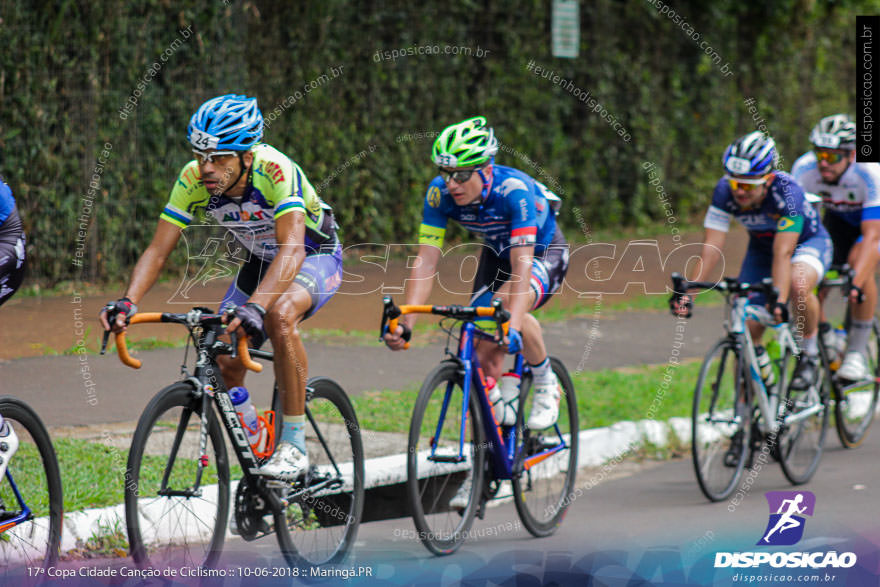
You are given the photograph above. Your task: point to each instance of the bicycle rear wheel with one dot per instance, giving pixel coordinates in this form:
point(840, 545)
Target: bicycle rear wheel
point(804, 422)
point(720, 439)
point(32, 482)
point(321, 522)
point(166, 527)
point(437, 481)
point(543, 489)
point(856, 403)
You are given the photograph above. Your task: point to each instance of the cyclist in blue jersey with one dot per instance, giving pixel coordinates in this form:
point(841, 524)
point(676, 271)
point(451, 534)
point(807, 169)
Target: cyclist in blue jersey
point(295, 258)
point(12, 266)
point(850, 192)
point(786, 240)
point(523, 262)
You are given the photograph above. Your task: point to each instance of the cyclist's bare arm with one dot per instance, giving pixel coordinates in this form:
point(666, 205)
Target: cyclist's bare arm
point(713, 242)
point(418, 289)
point(290, 234)
point(147, 269)
point(868, 256)
point(784, 244)
point(521, 272)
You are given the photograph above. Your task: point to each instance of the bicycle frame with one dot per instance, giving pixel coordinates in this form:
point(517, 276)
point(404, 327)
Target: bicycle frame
point(768, 402)
point(209, 387)
point(26, 513)
point(501, 441)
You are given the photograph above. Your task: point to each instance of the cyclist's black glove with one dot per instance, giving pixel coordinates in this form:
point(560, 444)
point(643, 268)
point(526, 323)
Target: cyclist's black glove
point(122, 306)
point(251, 316)
point(676, 301)
point(783, 310)
point(407, 332)
point(860, 295)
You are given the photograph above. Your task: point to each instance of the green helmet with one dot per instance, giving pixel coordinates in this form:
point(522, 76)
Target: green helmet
point(464, 144)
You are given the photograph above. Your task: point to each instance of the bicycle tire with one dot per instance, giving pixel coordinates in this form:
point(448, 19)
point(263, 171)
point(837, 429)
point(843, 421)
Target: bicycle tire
point(800, 444)
point(154, 533)
point(33, 543)
point(855, 411)
point(320, 528)
point(540, 508)
point(713, 442)
point(431, 485)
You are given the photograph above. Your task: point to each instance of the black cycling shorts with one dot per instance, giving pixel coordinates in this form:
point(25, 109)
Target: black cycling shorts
point(548, 272)
point(12, 255)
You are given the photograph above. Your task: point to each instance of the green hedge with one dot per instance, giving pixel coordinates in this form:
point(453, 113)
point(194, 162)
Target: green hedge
point(68, 68)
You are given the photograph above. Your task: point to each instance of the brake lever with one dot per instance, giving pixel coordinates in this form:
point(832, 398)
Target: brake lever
point(105, 341)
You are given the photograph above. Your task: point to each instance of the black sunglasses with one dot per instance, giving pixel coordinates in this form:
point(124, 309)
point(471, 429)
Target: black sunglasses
point(460, 176)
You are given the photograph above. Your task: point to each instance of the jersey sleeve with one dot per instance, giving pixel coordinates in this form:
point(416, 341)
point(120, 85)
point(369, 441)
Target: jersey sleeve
point(792, 214)
point(717, 218)
point(187, 195)
point(870, 176)
point(434, 220)
point(523, 216)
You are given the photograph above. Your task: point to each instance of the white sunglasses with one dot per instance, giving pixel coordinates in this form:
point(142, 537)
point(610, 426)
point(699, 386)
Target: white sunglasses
point(204, 157)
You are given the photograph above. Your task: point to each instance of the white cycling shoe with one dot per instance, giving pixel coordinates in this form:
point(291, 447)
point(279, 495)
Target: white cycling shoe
point(8, 446)
point(854, 367)
point(545, 406)
point(287, 463)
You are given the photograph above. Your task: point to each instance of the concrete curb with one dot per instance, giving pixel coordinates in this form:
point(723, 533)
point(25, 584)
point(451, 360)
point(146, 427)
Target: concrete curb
point(596, 446)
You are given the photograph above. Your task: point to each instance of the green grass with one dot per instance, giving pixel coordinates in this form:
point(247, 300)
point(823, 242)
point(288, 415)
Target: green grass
point(92, 475)
point(604, 397)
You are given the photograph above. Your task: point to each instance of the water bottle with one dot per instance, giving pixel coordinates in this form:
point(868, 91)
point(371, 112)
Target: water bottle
point(495, 398)
point(765, 366)
point(241, 399)
point(510, 397)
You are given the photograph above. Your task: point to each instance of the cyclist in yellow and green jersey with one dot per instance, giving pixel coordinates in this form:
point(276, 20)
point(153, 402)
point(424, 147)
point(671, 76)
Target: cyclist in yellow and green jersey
point(295, 258)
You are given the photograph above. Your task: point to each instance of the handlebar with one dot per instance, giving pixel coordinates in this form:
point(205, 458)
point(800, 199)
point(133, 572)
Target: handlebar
point(392, 313)
point(727, 285)
point(191, 318)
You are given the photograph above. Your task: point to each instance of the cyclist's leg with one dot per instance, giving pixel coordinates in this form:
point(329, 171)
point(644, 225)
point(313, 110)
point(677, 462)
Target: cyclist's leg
point(12, 267)
point(865, 309)
point(12, 259)
point(843, 237)
point(808, 265)
point(239, 291)
point(756, 265)
point(318, 279)
point(855, 366)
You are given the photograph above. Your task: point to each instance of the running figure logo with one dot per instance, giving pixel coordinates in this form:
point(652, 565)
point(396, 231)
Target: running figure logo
point(786, 524)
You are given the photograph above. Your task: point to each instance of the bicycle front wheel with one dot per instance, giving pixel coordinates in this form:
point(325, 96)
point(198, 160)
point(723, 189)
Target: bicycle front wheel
point(543, 489)
point(32, 484)
point(176, 497)
point(803, 424)
point(321, 521)
point(720, 438)
point(445, 460)
point(856, 403)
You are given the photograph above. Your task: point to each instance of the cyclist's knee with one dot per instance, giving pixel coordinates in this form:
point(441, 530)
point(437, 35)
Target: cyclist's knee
point(283, 319)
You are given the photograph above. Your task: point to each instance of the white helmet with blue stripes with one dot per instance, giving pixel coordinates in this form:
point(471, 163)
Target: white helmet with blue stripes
point(751, 155)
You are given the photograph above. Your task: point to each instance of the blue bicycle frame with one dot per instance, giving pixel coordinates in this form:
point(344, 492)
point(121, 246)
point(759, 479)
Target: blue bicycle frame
point(501, 440)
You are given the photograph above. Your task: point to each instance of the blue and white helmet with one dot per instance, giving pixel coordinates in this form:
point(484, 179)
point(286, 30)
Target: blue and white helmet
point(837, 131)
point(751, 155)
point(226, 122)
